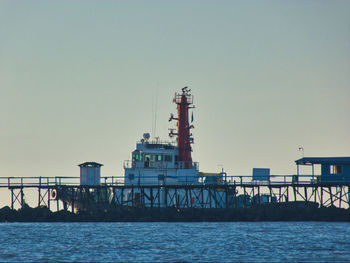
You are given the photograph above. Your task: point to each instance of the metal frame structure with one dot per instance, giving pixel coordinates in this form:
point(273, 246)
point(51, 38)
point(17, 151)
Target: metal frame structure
point(222, 195)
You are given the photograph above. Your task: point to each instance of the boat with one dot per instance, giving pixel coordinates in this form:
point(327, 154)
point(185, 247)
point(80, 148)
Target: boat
point(155, 162)
point(165, 165)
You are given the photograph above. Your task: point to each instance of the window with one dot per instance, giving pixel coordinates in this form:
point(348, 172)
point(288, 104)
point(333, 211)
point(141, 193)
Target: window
point(136, 156)
point(147, 160)
point(336, 169)
point(159, 157)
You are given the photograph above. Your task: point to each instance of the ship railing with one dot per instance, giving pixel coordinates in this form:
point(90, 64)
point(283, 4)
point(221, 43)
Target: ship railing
point(178, 96)
point(158, 141)
point(179, 165)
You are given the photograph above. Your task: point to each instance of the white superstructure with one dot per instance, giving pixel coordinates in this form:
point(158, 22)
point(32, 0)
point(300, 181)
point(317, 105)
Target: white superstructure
point(156, 163)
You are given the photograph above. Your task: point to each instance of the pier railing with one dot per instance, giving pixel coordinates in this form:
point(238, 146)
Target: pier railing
point(40, 181)
point(211, 191)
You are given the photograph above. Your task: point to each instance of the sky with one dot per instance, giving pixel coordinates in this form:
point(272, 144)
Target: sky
point(83, 80)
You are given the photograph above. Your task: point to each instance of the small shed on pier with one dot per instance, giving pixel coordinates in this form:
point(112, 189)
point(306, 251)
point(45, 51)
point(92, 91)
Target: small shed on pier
point(90, 173)
point(333, 169)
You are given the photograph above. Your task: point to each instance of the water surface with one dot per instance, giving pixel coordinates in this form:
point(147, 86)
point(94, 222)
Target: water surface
point(168, 242)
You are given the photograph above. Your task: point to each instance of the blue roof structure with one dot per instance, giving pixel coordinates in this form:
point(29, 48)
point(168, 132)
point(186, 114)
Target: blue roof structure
point(323, 160)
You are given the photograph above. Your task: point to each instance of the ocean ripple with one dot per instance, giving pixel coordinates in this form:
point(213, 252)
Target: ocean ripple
point(175, 242)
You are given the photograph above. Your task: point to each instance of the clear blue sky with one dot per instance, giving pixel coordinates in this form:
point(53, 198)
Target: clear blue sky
point(78, 81)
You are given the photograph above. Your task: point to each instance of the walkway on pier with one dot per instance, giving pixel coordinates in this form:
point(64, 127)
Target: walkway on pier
point(232, 191)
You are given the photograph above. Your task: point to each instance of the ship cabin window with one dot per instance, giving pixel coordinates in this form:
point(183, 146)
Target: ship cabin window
point(152, 159)
point(147, 159)
point(336, 169)
point(168, 158)
point(159, 158)
point(136, 156)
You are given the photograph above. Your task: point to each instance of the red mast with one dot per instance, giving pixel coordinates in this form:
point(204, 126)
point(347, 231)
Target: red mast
point(184, 138)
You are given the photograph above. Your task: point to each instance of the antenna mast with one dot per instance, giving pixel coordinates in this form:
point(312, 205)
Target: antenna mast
point(155, 115)
point(184, 139)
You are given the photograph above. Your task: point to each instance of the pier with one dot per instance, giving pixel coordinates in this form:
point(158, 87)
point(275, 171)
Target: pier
point(58, 193)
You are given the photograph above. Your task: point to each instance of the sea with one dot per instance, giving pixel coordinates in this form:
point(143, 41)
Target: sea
point(175, 242)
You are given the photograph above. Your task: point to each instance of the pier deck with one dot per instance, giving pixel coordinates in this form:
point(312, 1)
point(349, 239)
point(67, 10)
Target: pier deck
point(234, 191)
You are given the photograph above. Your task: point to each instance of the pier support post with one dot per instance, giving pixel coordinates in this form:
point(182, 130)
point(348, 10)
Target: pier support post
point(132, 196)
point(330, 195)
point(22, 197)
point(17, 197)
point(305, 192)
point(122, 197)
point(166, 196)
point(270, 193)
point(209, 195)
point(48, 198)
point(315, 193)
point(191, 197)
point(11, 198)
point(142, 197)
point(244, 198)
point(202, 197)
point(187, 203)
point(235, 195)
point(295, 194)
point(176, 199)
point(158, 196)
